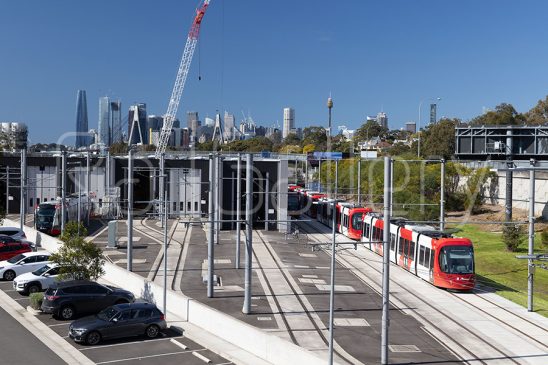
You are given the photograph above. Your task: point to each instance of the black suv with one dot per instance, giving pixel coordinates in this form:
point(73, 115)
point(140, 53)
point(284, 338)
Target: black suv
point(66, 299)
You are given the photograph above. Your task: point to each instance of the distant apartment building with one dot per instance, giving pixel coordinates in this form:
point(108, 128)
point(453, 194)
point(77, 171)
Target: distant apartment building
point(14, 136)
point(82, 128)
point(411, 127)
point(289, 121)
point(116, 121)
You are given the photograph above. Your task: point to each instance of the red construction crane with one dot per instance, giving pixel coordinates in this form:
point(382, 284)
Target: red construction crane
point(182, 74)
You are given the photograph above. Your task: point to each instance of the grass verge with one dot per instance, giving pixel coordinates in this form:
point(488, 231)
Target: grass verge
point(500, 269)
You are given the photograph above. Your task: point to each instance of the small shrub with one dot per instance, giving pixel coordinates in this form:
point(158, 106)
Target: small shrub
point(544, 239)
point(512, 236)
point(36, 300)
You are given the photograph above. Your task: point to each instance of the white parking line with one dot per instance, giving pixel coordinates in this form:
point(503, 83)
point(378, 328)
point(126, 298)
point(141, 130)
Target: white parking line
point(143, 357)
point(125, 343)
point(59, 324)
point(18, 299)
point(201, 357)
point(183, 346)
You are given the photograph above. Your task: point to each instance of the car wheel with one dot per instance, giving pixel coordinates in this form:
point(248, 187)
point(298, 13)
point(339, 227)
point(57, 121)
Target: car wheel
point(93, 338)
point(9, 275)
point(152, 331)
point(33, 288)
point(67, 312)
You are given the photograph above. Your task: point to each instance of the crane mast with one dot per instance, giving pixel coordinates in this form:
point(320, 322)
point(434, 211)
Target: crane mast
point(182, 74)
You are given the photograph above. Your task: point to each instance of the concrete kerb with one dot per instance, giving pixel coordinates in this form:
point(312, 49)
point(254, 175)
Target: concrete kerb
point(257, 342)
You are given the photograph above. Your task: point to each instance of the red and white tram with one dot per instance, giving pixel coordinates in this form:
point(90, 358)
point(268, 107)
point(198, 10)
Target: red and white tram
point(443, 260)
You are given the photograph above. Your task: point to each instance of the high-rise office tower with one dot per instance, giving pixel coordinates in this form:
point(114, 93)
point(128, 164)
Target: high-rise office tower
point(289, 121)
point(229, 126)
point(103, 130)
point(82, 131)
point(137, 124)
point(192, 122)
point(116, 121)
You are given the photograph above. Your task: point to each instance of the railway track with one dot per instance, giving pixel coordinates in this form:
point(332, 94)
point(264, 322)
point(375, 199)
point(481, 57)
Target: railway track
point(159, 238)
point(306, 308)
point(348, 259)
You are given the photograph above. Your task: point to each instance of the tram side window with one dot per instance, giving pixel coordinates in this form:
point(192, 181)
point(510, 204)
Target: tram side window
point(400, 246)
point(367, 228)
point(422, 250)
point(427, 261)
point(412, 250)
point(392, 242)
point(432, 254)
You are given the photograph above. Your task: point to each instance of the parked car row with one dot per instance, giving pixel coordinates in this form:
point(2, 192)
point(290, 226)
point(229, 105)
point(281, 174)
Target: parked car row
point(112, 312)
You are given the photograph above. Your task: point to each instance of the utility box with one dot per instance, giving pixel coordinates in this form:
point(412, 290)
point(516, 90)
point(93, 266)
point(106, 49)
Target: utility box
point(112, 230)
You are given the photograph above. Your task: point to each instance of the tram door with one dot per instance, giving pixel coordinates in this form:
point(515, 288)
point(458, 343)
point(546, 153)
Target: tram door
point(184, 192)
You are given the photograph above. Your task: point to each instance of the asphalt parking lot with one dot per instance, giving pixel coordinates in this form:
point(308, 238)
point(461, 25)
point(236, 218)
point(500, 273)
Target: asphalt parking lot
point(170, 348)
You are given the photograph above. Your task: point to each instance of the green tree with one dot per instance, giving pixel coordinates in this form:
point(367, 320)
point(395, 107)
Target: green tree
point(309, 148)
point(504, 114)
point(315, 135)
point(475, 186)
point(78, 258)
point(368, 130)
point(438, 139)
point(538, 114)
point(119, 148)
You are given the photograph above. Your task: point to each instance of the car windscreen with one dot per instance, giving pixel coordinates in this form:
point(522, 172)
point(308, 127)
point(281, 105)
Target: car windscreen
point(107, 314)
point(14, 259)
point(41, 270)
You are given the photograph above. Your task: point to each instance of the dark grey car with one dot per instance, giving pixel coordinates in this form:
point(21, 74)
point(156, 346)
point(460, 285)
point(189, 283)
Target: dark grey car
point(121, 320)
point(68, 298)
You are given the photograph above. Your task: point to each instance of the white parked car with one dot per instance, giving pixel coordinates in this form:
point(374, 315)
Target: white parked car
point(38, 280)
point(23, 263)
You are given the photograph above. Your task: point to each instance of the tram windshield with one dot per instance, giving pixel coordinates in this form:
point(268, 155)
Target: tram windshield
point(457, 259)
point(357, 221)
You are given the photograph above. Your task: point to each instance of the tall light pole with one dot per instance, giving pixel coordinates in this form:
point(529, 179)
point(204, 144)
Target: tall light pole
point(329, 106)
point(419, 124)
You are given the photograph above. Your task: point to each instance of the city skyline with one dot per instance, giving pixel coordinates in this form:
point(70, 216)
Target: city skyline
point(390, 63)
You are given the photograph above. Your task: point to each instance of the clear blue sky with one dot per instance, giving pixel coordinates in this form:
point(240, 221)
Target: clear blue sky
point(261, 56)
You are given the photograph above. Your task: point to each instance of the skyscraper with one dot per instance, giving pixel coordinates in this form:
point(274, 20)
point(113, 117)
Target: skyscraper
point(110, 121)
point(192, 122)
point(289, 121)
point(137, 124)
point(229, 126)
point(116, 121)
point(382, 119)
point(103, 130)
point(82, 135)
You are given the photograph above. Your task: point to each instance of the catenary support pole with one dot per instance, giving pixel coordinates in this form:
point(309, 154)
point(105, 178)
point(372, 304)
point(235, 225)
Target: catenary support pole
point(161, 188)
point(509, 175)
point(386, 263)
point(320, 175)
point(332, 286)
point(7, 190)
point(79, 218)
point(359, 181)
point(305, 174)
point(442, 196)
point(336, 178)
point(249, 232)
point(266, 200)
point(63, 189)
point(88, 186)
point(130, 210)
point(391, 185)
point(165, 252)
point(531, 246)
point(211, 235)
point(23, 210)
point(238, 209)
point(218, 181)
